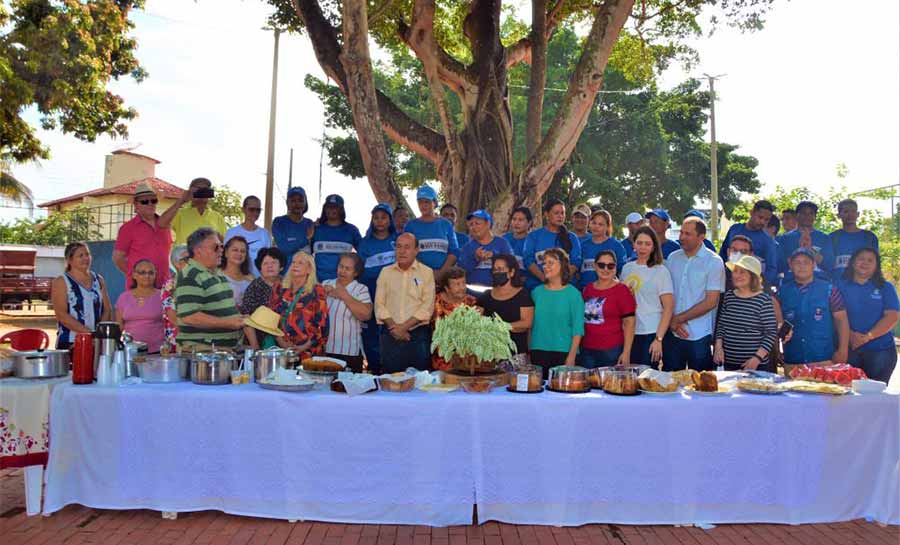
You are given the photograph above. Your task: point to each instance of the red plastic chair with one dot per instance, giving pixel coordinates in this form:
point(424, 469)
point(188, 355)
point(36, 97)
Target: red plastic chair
point(27, 339)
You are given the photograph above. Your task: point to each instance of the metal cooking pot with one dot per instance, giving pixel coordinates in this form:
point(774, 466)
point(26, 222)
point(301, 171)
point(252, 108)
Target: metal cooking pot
point(213, 367)
point(135, 351)
point(41, 363)
point(163, 369)
point(293, 358)
point(265, 362)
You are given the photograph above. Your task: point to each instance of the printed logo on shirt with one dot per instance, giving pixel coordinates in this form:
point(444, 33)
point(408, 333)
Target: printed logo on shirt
point(789, 316)
point(587, 265)
point(332, 247)
point(876, 294)
point(539, 257)
point(434, 245)
point(819, 314)
point(842, 261)
point(634, 283)
point(484, 264)
point(593, 310)
point(381, 260)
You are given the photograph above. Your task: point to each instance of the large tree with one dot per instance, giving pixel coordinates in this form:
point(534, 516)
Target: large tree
point(466, 53)
point(57, 57)
point(640, 145)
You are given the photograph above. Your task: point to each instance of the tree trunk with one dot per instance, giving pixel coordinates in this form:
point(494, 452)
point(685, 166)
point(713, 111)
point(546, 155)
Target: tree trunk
point(363, 101)
point(535, 113)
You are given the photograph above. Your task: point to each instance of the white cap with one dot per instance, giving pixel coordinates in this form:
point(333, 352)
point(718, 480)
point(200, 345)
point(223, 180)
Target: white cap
point(634, 217)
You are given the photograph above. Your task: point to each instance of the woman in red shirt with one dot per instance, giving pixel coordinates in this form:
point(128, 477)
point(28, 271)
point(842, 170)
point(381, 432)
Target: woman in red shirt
point(608, 316)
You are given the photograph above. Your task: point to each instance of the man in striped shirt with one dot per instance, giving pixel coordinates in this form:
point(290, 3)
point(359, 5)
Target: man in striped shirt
point(204, 303)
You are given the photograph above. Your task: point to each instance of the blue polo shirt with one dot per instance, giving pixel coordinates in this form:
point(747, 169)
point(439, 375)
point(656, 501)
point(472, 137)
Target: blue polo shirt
point(668, 246)
point(479, 272)
point(764, 248)
point(790, 241)
point(589, 251)
point(629, 247)
point(518, 249)
point(436, 239)
point(844, 244)
point(290, 237)
point(462, 239)
point(866, 305)
point(376, 254)
point(539, 241)
point(328, 243)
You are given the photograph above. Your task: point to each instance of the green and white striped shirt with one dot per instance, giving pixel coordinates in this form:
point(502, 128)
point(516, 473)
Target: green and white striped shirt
point(200, 290)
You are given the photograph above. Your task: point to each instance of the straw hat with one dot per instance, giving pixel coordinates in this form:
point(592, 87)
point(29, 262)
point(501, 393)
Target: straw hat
point(748, 263)
point(143, 188)
point(265, 319)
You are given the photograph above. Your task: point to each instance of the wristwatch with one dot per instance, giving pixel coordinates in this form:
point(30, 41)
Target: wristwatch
point(658, 339)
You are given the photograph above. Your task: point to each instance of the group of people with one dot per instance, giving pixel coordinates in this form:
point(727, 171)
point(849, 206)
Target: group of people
point(571, 296)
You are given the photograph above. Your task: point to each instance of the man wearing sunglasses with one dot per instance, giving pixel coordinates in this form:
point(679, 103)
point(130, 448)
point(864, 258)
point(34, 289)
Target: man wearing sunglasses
point(145, 236)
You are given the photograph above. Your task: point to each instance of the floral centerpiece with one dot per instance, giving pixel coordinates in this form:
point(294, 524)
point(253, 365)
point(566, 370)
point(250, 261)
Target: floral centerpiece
point(472, 342)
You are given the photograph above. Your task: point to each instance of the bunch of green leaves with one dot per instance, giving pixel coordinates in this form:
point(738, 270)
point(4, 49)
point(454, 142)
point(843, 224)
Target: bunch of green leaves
point(465, 332)
point(228, 203)
point(58, 229)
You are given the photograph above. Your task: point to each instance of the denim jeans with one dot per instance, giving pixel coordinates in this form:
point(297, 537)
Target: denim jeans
point(640, 350)
point(599, 358)
point(681, 353)
point(878, 364)
point(398, 355)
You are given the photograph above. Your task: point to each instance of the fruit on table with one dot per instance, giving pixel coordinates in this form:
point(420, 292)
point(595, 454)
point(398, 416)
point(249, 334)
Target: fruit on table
point(841, 373)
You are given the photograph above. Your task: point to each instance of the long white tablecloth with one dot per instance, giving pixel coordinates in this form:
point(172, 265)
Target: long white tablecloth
point(426, 458)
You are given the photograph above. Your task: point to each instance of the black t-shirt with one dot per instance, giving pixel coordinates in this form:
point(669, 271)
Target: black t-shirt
point(510, 311)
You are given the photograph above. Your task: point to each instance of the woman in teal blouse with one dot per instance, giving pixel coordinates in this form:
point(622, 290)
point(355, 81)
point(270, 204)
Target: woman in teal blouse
point(558, 314)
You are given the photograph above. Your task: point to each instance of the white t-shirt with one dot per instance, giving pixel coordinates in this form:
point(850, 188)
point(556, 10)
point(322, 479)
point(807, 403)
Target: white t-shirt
point(345, 331)
point(647, 284)
point(257, 239)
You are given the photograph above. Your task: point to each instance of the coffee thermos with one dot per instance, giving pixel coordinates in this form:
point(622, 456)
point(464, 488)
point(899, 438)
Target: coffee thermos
point(83, 359)
point(107, 339)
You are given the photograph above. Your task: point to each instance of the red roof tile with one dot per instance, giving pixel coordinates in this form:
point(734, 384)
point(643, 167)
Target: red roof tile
point(163, 189)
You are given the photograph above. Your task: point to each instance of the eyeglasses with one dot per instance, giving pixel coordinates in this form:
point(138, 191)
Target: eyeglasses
point(145, 273)
point(148, 201)
point(607, 266)
point(219, 247)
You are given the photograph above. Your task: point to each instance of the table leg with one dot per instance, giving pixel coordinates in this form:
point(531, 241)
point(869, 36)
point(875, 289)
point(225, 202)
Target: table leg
point(34, 486)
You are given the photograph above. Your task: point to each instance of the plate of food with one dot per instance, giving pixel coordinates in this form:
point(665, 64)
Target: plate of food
point(760, 386)
point(820, 388)
point(654, 382)
point(286, 380)
point(321, 364)
point(439, 388)
point(720, 391)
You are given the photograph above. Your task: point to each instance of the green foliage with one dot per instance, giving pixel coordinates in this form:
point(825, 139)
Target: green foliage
point(465, 332)
point(58, 229)
point(58, 57)
point(228, 203)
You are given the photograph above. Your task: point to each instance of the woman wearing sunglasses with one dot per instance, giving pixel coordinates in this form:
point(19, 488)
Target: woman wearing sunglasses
point(139, 309)
point(609, 308)
point(257, 237)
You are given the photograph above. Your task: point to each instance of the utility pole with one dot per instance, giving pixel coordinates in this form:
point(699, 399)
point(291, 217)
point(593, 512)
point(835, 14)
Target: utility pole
point(291, 170)
point(713, 159)
point(270, 160)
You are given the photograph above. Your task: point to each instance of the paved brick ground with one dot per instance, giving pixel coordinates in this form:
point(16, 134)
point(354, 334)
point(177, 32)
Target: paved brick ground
point(76, 525)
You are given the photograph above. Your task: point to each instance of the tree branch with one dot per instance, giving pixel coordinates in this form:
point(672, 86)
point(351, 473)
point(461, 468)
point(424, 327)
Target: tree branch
point(453, 73)
point(396, 124)
point(521, 50)
point(534, 115)
point(576, 106)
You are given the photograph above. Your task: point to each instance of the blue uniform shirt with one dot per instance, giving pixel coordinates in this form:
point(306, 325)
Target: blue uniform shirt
point(462, 239)
point(518, 248)
point(628, 246)
point(589, 251)
point(669, 246)
point(536, 243)
point(479, 272)
point(821, 243)
point(865, 307)
point(328, 243)
point(764, 248)
point(376, 254)
point(436, 240)
point(290, 237)
point(843, 244)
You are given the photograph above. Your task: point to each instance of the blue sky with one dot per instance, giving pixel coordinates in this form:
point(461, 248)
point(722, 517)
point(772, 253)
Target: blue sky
point(818, 86)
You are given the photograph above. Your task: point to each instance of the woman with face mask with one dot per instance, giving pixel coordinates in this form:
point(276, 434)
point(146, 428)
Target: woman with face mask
point(509, 300)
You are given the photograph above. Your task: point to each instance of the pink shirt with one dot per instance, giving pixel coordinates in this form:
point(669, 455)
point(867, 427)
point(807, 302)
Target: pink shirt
point(138, 240)
point(144, 322)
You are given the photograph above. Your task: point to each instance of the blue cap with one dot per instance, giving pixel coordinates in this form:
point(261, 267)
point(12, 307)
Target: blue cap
point(695, 214)
point(481, 214)
point(659, 213)
point(808, 252)
point(426, 192)
point(386, 208)
point(296, 190)
point(334, 199)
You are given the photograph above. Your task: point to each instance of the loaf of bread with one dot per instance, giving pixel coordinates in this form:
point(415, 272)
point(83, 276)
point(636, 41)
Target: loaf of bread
point(705, 381)
point(327, 366)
